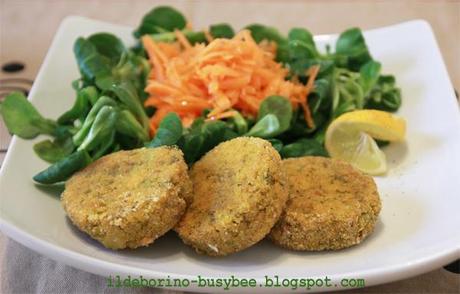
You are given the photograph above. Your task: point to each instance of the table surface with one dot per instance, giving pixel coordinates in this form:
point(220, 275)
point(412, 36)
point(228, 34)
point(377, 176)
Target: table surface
point(27, 28)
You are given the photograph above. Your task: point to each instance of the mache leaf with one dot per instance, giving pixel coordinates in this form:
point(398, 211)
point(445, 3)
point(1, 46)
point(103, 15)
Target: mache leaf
point(63, 169)
point(221, 30)
point(108, 45)
point(90, 62)
point(53, 151)
point(281, 108)
point(267, 127)
point(102, 129)
point(303, 147)
point(81, 107)
point(161, 19)
point(385, 95)
point(370, 73)
point(22, 119)
point(351, 46)
point(169, 131)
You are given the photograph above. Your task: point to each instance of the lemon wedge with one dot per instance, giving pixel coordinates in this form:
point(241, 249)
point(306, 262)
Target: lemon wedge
point(350, 137)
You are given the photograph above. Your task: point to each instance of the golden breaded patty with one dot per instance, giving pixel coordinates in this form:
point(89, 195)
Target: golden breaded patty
point(129, 198)
point(331, 205)
point(238, 195)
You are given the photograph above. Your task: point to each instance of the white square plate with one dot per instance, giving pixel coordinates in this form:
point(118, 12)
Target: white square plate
point(418, 230)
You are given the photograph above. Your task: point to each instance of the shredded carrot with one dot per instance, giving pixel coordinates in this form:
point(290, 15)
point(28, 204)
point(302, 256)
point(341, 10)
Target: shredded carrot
point(224, 76)
point(182, 39)
point(222, 115)
point(312, 73)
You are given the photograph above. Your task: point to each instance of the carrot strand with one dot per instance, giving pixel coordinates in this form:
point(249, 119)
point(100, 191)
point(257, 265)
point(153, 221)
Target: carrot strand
point(313, 72)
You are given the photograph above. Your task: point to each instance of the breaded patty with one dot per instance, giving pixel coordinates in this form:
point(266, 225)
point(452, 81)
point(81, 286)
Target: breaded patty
point(331, 205)
point(129, 198)
point(238, 195)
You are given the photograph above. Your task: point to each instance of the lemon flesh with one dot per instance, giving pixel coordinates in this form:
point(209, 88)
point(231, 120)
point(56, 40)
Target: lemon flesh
point(351, 136)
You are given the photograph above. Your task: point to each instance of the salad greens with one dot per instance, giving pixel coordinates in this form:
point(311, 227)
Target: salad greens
point(160, 20)
point(22, 119)
point(280, 108)
point(169, 131)
point(64, 168)
point(108, 113)
point(303, 147)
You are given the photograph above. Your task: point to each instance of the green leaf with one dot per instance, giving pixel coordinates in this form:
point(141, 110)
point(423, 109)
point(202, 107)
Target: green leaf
point(101, 130)
point(63, 169)
point(299, 127)
point(126, 142)
point(282, 52)
point(301, 34)
point(190, 144)
point(351, 46)
point(128, 96)
point(300, 50)
point(160, 19)
point(221, 30)
point(267, 127)
point(128, 125)
point(90, 62)
point(228, 134)
point(214, 132)
point(274, 117)
point(369, 75)
point(106, 146)
point(108, 45)
point(260, 32)
point(385, 95)
point(347, 92)
point(277, 144)
point(303, 147)
point(202, 137)
point(319, 99)
point(169, 131)
point(320, 134)
point(91, 93)
point(278, 106)
point(300, 67)
point(104, 61)
point(76, 84)
point(195, 37)
point(131, 69)
point(79, 137)
point(79, 110)
point(53, 151)
point(22, 119)
point(240, 124)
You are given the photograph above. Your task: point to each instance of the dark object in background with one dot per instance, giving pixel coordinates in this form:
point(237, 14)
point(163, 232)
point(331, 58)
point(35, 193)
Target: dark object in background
point(453, 267)
point(13, 66)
